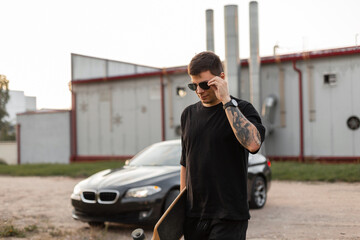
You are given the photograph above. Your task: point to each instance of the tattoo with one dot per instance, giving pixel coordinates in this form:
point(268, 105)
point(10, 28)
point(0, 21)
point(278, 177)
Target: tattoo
point(245, 131)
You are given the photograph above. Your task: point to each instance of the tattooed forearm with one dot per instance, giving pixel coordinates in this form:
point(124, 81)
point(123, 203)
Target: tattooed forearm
point(246, 133)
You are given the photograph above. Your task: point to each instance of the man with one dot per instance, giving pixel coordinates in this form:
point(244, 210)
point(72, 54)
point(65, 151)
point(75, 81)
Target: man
point(217, 134)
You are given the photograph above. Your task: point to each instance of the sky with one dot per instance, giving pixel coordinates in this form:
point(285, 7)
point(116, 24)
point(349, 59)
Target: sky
point(37, 37)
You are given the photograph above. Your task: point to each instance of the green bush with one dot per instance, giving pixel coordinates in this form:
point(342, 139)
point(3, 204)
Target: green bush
point(2, 162)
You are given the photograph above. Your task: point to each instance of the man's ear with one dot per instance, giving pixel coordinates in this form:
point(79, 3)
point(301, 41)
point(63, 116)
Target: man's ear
point(222, 75)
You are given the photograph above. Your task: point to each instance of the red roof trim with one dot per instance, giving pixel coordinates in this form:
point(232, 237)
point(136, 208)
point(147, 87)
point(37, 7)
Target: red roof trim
point(44, 111)
point(137, 75)
point(307, 55)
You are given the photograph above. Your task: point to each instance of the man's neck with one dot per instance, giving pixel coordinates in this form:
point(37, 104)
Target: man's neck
point(211, 104)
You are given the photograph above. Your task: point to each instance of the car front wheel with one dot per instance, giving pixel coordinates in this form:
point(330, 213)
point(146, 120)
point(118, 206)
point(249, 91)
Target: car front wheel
point(258, 193)
point(170, 198)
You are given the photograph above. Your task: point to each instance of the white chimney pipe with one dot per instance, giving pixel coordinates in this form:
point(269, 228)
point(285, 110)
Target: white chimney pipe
point(254, 62)
point(210, 46)
point(232, 60)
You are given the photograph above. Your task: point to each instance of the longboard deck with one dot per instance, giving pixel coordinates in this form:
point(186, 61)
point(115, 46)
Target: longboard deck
point(170, 225)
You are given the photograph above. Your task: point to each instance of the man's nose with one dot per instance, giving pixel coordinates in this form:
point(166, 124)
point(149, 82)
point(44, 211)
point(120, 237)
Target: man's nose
point(199, 89)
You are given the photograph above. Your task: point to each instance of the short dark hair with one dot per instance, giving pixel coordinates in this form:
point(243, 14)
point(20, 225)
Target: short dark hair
point(205, 61)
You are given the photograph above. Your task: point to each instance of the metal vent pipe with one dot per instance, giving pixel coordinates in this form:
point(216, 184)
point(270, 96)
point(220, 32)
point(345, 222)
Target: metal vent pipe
point(254, 62)
point(232, 60)
point(210, 43)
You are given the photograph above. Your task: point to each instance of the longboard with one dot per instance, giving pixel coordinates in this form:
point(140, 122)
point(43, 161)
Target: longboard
point(170, 225)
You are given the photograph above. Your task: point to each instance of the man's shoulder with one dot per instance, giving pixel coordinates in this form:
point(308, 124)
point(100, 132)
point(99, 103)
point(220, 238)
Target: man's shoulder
point(242, 103)
point(246, 107)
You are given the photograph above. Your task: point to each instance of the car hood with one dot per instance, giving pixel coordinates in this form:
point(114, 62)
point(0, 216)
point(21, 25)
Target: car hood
point(128, 175)
point(256, 159)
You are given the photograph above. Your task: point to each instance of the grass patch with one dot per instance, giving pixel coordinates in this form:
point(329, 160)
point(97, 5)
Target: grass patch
point(70, 170)
point(8, 230)
point(295, 171)
point(31, 228)
point(56, 233)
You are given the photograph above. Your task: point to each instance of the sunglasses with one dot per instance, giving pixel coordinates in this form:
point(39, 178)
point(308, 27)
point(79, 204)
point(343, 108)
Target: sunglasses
point(204, 85)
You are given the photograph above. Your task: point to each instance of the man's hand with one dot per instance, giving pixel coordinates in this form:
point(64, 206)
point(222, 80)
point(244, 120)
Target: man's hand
point(221, 89)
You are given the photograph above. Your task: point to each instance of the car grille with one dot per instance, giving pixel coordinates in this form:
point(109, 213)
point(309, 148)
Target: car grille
point(102, 197)
point(88, 196)
point(108, 196)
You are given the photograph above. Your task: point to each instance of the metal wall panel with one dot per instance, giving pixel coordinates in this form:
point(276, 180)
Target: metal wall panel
point(148, 114)
point(284, 141)
point(82, 119)
point(327, 135)
point(123, 117)
point(355, 102)
point(145, 69)
point(85, 68)
point(116, 68)
point(88, 120)
point(45, 137)
point(319, 136)
point(93, 127)
point(312, 145)
point(105, 117)
point(334, 105)
point(175, 104)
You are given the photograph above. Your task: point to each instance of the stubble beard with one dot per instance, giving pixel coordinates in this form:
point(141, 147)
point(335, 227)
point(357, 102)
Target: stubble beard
point(209, 100)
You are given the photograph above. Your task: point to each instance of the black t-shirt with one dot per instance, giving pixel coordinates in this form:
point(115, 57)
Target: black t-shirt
point(216, 163)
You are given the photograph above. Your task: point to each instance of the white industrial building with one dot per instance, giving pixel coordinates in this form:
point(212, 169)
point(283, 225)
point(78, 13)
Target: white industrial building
point(116, 116)
point(309, 102)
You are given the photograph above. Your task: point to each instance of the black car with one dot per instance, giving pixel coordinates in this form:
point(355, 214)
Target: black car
point(141, 191)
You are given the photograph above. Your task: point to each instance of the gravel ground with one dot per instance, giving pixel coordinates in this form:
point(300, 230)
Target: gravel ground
point(295, 210)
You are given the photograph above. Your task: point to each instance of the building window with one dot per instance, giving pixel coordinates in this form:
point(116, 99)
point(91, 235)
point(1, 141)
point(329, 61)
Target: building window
point(330, 79)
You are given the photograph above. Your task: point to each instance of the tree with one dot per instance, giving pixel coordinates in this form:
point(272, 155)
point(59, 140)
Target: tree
point(4, 98)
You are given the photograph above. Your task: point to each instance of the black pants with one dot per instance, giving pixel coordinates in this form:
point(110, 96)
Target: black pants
point(206, 229)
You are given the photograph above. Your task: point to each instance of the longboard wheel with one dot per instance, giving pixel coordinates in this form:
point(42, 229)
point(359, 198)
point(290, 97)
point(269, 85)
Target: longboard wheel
point(138, 234)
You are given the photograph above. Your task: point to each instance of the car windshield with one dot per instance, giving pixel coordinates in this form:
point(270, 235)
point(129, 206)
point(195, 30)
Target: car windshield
point(158, 155)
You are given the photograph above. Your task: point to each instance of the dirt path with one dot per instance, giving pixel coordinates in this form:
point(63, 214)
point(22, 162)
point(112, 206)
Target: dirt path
point(293, 211)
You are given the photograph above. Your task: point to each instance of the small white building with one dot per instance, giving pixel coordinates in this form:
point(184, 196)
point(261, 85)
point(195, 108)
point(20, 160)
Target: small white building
point(19, 103)
point(44, 136)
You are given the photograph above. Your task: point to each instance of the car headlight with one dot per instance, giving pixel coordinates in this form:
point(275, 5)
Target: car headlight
point(141, 192)
point(76, 193)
